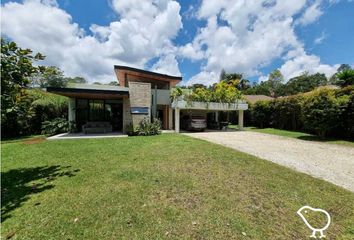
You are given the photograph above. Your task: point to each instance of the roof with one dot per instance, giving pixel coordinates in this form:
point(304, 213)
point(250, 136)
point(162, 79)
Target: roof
point(255, 98)
point(97, 87)
point(90, 91)
point(119, 67)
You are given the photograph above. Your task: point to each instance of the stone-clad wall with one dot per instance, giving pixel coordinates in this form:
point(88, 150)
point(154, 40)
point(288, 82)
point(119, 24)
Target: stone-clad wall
point(139, 96)
point(127, 117)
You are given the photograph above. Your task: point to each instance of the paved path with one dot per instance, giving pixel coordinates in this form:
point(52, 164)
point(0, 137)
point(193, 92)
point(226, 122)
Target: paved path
point(333, 163)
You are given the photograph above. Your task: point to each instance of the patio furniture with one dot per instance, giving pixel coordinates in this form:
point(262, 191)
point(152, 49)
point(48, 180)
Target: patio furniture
point(97, 127)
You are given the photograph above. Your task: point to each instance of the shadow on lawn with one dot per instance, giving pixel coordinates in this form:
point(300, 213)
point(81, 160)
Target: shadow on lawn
point(19, 184)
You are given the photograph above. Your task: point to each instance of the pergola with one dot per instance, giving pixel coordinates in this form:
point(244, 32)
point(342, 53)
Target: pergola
point(178, 105)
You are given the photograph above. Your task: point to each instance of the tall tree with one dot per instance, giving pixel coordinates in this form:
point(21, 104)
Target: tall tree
point(275, 82)
point(16, 69)
point(54, 77)
point(222, 75)
point(304, 83)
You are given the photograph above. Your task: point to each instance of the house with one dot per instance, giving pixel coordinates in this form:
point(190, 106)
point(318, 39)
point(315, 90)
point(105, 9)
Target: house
point(140, 94)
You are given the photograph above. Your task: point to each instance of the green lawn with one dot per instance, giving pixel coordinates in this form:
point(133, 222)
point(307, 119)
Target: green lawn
point(298, 135)
point(161, 187)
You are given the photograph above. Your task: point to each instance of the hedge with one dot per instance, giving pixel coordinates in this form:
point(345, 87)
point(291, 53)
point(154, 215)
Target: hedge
point(323, 112)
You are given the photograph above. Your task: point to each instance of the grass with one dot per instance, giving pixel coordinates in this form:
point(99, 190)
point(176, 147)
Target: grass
point(161, 187)
point(298, 135)
point(22, 138)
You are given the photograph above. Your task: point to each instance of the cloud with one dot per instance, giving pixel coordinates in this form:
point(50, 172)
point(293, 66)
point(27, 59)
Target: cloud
point(244, 36)
point(320, 38)
point(302, 62)
point(145, 30)
point(167, 65)
point(311, 14)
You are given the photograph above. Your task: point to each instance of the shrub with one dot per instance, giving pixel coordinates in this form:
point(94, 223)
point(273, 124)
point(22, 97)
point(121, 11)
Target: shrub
point(145, 128)
point(321, 111)
point(58, 125)
point(287, 113)
point(262, 113)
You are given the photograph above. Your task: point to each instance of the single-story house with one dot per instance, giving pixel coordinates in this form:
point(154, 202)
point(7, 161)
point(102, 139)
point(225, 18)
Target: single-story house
point(140, 94)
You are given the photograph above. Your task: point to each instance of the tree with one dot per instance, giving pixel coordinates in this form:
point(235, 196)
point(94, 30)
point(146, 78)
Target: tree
point(345, 72)
point(343, 67)
point(53, 77)
point(16, 69)
point(304, 83)
point(97, 83)
point(345, 78)
point(275, 82)
point(113, 83)
point(222, 75)
point(75, 80)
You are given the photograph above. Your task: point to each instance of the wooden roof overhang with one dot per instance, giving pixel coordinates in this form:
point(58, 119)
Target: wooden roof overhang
point(139, 73)
point(89, 93)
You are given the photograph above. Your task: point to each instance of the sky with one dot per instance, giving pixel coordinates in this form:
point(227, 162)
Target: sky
point(194, 39)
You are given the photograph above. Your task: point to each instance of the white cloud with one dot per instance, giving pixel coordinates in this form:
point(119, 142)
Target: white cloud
point(144, 31)
point(207, 78)
point(239, 36)
point(311, 14)
point(304, 62)
point(167, 65)
point(243, 36)
point(320, 38)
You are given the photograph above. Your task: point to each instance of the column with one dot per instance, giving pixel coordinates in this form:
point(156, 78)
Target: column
point(71, 110)
point(177, 120)
point(170, 118)
point(240, 119)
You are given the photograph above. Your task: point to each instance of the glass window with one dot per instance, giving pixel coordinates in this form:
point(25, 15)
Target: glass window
point(96, 110)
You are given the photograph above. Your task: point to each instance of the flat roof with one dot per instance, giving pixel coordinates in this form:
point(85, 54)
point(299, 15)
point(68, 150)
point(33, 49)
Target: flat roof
point(119, 67)
point(93, 90)
point(97, 87)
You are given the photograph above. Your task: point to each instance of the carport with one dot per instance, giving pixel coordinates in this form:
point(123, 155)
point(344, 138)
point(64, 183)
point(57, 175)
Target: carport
point(179, 105)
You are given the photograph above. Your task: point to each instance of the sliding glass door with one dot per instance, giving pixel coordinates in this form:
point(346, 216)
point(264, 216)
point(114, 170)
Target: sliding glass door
point(92, 110)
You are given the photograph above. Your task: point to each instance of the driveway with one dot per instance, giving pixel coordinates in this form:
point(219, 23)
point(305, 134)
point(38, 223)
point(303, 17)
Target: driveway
point(333, 163)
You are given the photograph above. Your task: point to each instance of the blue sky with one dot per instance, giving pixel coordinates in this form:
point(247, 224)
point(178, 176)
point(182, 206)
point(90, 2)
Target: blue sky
point(195, 39)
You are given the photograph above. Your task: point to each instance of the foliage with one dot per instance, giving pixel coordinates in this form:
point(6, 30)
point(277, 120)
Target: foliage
point(16, 70)
point(223, 92)
point(75, 80)
point(52, 77)
point(275, 82)
point(304, 83)
point(113, 83)
point(242, 84)
point(287, 113)
point(176, 93)
point(145, 128)
point(323, 111)
point(55, 126)
point(345, 78)
point(46, 106)
point(261, 113)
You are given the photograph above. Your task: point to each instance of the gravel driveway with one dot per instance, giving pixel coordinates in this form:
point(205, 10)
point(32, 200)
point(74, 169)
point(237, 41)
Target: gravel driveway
point(333, 163)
